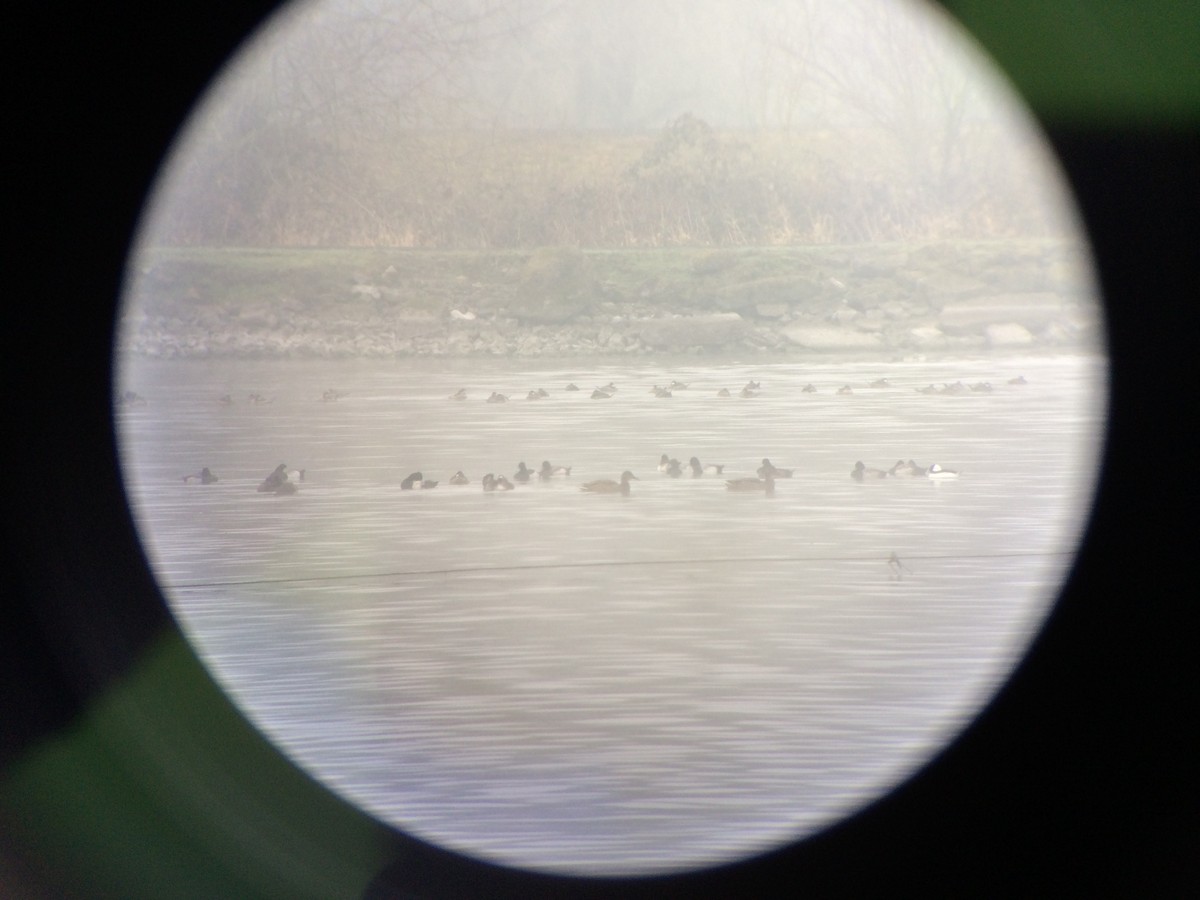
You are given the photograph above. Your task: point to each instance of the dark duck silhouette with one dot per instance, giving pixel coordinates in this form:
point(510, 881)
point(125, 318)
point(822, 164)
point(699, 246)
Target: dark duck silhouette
point(608, 486)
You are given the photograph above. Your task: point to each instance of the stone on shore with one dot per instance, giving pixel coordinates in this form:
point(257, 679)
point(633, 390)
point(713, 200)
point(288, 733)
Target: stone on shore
point(827, 337)
point(1008, 334)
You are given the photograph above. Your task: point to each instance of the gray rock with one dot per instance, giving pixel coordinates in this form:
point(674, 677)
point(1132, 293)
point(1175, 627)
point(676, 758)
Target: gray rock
point(681, 332)
point(1033, 310)
point(830, 337)
point(1008, 334)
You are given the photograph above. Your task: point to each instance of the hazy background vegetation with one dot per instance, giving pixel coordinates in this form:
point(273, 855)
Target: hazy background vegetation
point(492, 124)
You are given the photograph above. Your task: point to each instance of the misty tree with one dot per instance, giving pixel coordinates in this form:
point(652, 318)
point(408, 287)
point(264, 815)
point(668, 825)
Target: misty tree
point(294, 131)
point(879, 69)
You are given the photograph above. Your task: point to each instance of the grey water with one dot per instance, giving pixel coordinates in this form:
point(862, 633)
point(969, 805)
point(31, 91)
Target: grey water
point(604, 684)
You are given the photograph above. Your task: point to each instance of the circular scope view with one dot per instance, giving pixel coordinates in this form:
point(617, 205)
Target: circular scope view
point(610, 438)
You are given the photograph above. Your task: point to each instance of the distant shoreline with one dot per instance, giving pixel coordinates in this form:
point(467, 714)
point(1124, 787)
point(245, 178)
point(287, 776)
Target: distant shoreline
point(876, 300)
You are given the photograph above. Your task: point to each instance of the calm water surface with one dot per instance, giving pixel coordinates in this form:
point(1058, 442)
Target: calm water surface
point(607, 684)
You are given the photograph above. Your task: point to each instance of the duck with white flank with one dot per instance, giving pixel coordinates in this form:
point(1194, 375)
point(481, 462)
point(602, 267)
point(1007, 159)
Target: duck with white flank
point(547, 471)
point(698, 470)
point(523, 473)
point(937, 473)
point(608, 486)
point(503, 484)
point(767, 469)
point(861, 472)
point(459, 478)
point(204, 476)
point(417, 482)
point(745, 485)
point(677, 386)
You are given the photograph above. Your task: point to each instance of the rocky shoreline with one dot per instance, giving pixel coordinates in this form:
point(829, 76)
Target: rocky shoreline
point(561, 303)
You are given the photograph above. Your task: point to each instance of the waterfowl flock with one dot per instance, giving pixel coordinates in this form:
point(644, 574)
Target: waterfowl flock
point(752, 388)
point(283, 481)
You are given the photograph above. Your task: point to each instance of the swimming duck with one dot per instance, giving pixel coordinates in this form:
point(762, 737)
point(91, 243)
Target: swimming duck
point(258, 398)
point(332, 395)
point(767, 484)
point(677, 386)
point(204, 476)
point(225, 399)
point(547, 471)
point(957, 388)
point(808, 389)
point(982, 387)
point(861, 472)
point(542, 392)
point(698, 470)
point(275, 479)
point(489, 482)
point(664, 463)
point(1020, 379)
point(906, 468)
point(417, 482)
point(674, 468)
point(880, 383)
point(287, 487)
point(523, 474)
point(460, 394)
point(600, 395)
point(752, 386)
point(608, 486)
point(503, 484)
point(533, 395)
point(660, 392)
point(747, 392)
point(609, 388)
point(937, 473)
point(497, 398)
point(723, 392)
point(766, 468)
point(845, 389)
point(931, 389)
point(572, 386)
point(459, 478)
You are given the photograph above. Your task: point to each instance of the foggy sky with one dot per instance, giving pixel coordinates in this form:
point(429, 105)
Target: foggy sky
point(620, 64)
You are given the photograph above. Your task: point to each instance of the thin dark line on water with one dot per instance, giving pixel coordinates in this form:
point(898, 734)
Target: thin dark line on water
point(471, 570)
